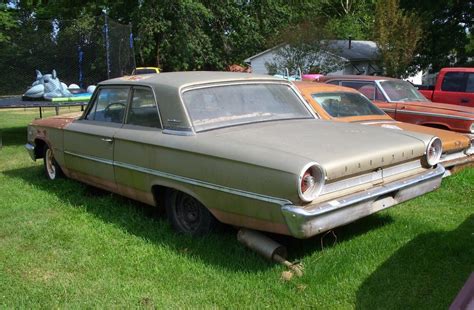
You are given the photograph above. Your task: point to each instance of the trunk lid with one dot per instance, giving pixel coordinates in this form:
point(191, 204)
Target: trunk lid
point(342, 149)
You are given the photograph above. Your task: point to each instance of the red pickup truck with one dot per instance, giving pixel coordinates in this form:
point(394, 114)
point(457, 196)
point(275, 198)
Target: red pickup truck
point(454, 86)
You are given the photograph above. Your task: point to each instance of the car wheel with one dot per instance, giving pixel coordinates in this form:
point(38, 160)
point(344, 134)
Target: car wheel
point(187, 215)
point(51, 167)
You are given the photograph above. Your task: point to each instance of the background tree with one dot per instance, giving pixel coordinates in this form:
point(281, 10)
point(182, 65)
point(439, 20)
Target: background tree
point(447, 25)
point(397, 34)
point(348, 18)
point(305, 46)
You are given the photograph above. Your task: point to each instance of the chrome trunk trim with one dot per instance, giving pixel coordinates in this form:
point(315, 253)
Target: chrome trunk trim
point(372, 177)
point(304, 222)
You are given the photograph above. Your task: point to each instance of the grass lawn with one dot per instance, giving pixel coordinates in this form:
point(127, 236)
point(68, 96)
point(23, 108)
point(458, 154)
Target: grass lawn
point(65, 244)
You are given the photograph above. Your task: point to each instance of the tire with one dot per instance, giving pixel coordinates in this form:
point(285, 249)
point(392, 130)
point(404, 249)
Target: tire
point(51, 167)
point(187, 215)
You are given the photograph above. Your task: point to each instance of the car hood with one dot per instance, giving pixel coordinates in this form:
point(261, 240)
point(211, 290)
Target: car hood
point(341, 149)
point(435, 107)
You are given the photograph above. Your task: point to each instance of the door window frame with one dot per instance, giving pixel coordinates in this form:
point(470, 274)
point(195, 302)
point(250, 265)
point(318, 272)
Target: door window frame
point(130, 102)
point(92, 104)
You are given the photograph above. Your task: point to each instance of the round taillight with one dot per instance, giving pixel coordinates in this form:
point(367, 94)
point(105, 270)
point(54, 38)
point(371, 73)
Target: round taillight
point(311, 181)
point(434, 151)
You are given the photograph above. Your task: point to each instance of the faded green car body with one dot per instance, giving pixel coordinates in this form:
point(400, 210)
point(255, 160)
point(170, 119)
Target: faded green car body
point(246, 175)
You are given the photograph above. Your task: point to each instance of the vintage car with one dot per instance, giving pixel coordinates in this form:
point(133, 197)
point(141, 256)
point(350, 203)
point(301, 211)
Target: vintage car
point(145, 70)
point(345, 104)
point(242, 149)
point(405, 103)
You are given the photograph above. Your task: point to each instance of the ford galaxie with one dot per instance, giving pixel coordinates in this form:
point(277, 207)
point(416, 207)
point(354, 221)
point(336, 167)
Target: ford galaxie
point(242, 149)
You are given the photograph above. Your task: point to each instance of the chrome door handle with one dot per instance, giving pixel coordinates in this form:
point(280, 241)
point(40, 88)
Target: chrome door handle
point(109, 140)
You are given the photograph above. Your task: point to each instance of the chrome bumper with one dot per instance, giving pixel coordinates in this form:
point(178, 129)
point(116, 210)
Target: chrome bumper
point(31, 150)
point(304, 222)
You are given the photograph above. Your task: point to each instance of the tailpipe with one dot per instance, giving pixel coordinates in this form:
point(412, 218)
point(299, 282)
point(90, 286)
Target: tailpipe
point(267, 248)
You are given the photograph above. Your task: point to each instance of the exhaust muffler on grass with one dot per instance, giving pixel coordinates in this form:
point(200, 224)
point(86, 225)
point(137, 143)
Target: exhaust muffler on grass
point(267, 248)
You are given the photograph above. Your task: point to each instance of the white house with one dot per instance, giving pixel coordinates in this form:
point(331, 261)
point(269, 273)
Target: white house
point(360, 57)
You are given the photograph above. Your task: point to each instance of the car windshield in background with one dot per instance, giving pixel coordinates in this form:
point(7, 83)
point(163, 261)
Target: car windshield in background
point(145, 71)
point(340, 104)
point(229, 105)
point(401, 91)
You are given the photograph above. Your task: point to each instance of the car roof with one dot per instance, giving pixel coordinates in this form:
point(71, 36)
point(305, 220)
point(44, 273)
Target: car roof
point(183, 79)
point(167, 88)
point(355, 77)
point(321, 87)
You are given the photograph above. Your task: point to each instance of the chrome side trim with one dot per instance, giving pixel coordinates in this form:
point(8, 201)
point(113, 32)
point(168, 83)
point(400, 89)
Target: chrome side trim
point(93, 158)
point(436, 114)
point(178, 132)
point(191, 181)
point(389, 110)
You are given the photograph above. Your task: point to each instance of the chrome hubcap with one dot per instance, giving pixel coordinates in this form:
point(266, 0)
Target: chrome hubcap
point(50, 168)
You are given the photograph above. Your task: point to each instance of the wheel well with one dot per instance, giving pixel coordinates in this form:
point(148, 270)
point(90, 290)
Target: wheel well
point(159, 194)
point(39, 148)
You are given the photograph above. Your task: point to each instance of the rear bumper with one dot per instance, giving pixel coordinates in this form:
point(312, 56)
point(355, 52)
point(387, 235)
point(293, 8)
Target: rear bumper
point(31, 150)
point(314, 219)
point(451, 161)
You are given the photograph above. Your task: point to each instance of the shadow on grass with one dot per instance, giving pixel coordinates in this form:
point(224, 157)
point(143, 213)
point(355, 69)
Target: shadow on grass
point(426, 273)
point(13, 136)
point(220, 248)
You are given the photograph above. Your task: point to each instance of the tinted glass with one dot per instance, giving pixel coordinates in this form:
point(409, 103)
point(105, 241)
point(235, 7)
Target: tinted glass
point(145, 71)
point(340, 104)
point(454, 81)
point(470, 83)
point(109, 105)
point(221, 106)
point(143, 110)
point(401, 91)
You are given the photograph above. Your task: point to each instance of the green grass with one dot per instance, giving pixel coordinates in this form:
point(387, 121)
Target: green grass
point(65, 244)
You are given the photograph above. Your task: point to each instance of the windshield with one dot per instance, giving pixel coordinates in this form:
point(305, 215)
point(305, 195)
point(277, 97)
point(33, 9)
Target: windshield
point(341, 104)
point(222, 106)
point(397, 91)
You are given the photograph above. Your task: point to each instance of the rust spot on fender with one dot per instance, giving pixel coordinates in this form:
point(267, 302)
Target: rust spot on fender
point(59, 122)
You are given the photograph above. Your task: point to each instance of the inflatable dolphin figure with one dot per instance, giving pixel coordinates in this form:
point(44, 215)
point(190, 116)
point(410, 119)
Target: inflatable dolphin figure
point(46, 86)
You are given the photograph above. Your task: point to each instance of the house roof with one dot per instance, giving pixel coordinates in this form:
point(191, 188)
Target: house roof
point(360, 50)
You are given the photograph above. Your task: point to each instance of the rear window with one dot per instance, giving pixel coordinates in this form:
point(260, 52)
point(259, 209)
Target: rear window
point(339, 104)
point(230, 105)
point(144, 71)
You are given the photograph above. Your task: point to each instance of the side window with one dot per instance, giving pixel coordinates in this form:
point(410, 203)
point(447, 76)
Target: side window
point(335, 82)
point(109, 105)
point(470, 83)
point(379, 95)
point(454, 81)
point(366, 88)
point(143, 110)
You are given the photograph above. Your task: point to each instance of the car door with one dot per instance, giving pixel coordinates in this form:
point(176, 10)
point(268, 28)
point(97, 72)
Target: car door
point(456, 88)
point(89, 141)
point(137, 146)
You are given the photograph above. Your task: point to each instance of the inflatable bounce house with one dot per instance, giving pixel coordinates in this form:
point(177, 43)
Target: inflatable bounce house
point(49, 87)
